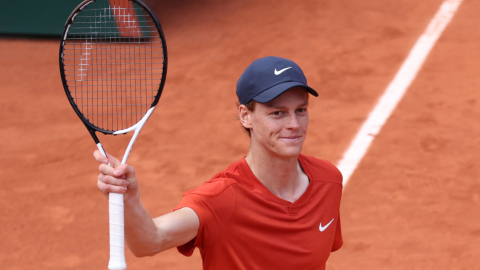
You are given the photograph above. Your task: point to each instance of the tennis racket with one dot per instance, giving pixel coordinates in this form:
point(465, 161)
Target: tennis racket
point(113, 65)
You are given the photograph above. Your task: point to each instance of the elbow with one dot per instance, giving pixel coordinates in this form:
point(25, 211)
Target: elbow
point(144, 251)
point(148, 246)
point(138, 253)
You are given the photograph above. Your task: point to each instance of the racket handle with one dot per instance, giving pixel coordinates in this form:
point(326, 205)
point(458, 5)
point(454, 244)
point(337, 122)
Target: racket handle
point(117, 230)
point(117, 227)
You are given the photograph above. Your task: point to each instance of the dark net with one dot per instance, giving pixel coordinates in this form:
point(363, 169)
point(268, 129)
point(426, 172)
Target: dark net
point(113, 60)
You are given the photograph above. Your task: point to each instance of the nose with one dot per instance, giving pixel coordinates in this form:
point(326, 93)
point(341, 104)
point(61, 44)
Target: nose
point(292, 122)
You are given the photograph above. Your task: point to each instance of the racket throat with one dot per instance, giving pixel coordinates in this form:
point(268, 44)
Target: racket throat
point(94, 136)
point(137, 127)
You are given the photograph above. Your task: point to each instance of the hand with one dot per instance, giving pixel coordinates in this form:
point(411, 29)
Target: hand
point(117, 178)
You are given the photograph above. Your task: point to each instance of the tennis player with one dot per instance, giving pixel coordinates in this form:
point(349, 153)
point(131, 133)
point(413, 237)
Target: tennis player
point(273, 209)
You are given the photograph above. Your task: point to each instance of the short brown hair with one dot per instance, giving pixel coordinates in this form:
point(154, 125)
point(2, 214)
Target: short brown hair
point(251, 107)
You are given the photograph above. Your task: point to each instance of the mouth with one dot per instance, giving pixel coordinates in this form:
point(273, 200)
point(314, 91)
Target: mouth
point(292, 138)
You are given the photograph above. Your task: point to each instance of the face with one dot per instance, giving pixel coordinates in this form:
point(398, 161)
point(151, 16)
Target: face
point(279, 126)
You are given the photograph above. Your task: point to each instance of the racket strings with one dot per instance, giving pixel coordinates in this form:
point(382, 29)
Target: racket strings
point(113, 60)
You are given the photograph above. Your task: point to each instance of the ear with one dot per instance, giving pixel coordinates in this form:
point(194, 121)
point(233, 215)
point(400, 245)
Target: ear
point(245, 116)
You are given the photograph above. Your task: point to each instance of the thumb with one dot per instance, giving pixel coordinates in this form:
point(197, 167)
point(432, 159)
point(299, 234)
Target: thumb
point(124, 171)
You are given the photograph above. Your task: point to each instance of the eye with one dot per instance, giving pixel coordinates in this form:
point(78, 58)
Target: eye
point(277, 113)
point(302, 110)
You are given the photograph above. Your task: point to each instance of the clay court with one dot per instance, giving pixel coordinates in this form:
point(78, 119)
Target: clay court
point(412, 203)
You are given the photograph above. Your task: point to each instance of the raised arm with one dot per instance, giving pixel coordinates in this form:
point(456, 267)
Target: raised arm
point(144, 236)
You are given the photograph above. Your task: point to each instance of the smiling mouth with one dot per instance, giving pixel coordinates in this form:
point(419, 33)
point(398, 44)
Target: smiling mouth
point(291, 138)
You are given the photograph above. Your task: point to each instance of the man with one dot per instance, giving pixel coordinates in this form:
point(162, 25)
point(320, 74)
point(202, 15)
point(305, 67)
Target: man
point(273, 209)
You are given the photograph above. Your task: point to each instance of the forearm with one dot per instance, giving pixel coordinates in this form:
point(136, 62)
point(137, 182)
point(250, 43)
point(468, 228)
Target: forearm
point(143, 237)
point(147, 237)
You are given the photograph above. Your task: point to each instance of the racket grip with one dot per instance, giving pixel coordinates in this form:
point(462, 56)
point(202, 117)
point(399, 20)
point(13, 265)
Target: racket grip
point(117, 227)
point(117, 236)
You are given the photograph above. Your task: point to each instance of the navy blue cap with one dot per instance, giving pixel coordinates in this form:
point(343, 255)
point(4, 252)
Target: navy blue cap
point(268, 77)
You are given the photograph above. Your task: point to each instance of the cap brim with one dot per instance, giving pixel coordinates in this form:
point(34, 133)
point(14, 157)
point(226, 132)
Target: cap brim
point(277, 90)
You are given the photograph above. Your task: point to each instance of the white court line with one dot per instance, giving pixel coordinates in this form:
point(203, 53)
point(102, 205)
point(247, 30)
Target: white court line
point(395, 91)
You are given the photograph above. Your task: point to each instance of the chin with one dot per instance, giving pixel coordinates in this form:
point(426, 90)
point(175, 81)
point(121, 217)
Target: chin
point(291, 152)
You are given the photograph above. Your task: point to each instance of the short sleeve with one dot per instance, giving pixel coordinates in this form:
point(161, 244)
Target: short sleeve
point(213, 203)
point(338, 240)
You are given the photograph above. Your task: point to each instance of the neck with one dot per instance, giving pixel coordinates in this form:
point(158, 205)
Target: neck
point(284, 177)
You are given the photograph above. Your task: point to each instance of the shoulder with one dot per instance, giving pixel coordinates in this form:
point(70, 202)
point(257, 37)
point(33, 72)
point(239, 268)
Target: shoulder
point(321, 170)
point(219, 183)
point(212, 187)
point(213, 202)
point(218, 192)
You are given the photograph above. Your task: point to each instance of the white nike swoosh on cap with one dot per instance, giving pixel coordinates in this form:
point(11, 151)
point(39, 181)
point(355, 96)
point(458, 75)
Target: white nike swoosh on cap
point(326, 226)
point(280, 71)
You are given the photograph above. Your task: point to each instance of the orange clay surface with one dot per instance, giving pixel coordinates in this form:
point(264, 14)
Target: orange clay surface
point(413, 203)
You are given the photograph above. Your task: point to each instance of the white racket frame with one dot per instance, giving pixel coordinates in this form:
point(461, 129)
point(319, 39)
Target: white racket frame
point(116, 206)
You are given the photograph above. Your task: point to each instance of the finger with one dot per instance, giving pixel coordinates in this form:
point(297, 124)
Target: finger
point(106, 169)
point(110, 180)
point(100, 157)
point(106, 188)
point(124, 170)
point(113, 160)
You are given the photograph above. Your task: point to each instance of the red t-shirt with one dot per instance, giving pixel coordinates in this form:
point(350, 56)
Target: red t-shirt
point(245, 226)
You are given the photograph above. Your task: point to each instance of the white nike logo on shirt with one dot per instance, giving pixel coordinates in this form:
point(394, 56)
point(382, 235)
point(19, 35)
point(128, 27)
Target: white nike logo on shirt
point(280, 71)
point(326, 226)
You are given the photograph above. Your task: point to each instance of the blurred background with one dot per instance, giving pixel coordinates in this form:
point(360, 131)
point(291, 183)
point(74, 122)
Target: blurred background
point(413, 202)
